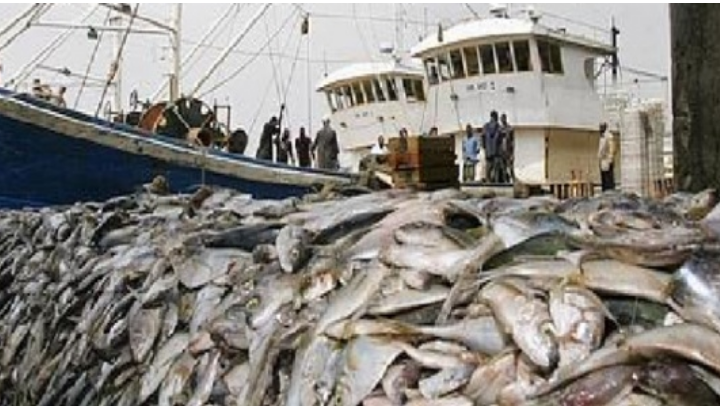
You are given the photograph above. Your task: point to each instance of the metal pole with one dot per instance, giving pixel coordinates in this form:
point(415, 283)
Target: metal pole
point(175, 39)
point(117, 21)
point(186, 59)
point(230, 48)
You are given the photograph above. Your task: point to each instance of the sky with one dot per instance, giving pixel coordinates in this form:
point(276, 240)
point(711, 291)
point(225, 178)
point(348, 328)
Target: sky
point(275, 63)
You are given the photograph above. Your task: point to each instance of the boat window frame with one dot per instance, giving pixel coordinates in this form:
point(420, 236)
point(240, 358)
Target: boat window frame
point(501, 68)
point(332, 101)
point(349, 96)
point(551, 66)
point(478, 64)
point(366, 85)
point(432, 71)
point(392, 88)
point(377, 86)
point(490, 46)
point(357, 90)
point(454, 74)
point(420, 93)
point(448, 67)
point(526, 43)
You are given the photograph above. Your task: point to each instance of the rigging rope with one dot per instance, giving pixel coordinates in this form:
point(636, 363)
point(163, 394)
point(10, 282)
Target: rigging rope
point(118, 57)
point(272, 62)
point(252, 59)
point(90, 63)
point(36, 13)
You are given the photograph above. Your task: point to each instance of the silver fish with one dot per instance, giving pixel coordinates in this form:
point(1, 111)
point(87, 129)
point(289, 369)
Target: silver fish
point(143, 329)
point(527, 319)
point(445, 381)
point(365, 362)
point(293, 247)
point(161, 365)
point(207, 380)
point(177, 377)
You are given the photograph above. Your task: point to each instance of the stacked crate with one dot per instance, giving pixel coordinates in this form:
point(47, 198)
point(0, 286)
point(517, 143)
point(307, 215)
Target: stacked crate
point(423, 163)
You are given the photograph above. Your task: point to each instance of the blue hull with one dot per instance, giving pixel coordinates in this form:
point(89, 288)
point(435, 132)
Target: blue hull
point(42, 166)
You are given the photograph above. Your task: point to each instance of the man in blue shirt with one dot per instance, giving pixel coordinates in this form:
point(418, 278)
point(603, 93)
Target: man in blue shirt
point(492, 139)
point(471, 148)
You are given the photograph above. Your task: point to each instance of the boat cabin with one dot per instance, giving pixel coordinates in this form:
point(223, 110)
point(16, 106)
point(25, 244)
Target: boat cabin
point(372, 99)
point(542, 78)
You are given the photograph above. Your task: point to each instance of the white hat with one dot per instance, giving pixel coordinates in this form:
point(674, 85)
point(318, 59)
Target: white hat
point(326, 118)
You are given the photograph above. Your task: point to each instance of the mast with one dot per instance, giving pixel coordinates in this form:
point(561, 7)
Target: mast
point(117, 20)
point(175, 37)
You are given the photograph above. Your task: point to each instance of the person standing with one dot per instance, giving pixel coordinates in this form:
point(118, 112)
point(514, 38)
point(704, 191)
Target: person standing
point(284, 148)
point(379, 148)
point(507, 150)
point(326, 147)
point(491, 138)
point(302, 147)
point(270, 131)
point(471, 149)
point(606, 156)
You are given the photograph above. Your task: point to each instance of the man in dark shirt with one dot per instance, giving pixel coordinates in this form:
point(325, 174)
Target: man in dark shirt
point(491, 138)
point(302, 146)
point(270, 131)
point(507, 149)
point(326, 145)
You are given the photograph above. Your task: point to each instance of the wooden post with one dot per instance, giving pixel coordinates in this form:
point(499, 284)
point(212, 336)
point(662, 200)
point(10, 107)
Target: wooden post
point(695, 41)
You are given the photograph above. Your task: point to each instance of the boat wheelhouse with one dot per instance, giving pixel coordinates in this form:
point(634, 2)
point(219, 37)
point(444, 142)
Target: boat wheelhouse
point(367, 100)
point(542, 78)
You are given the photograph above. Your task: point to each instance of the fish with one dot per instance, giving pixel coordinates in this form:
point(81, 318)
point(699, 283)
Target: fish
point(445, 382)
point(526, 319)
point(364, 364)
point(514, 229)
point(695, 288)
point(487, 381)
point(161, 364)
point(207, 376)
point(293, 247)
point(578, 317)
point(143, 329)
point(177, 377)
point(398, 378)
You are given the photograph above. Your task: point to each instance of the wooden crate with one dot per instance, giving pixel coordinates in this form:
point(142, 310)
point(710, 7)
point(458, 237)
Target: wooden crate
point(415, 161)
point(422, 145)
point(428, 175)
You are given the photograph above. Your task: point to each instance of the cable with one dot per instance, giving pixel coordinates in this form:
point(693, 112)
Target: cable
point(90, 63)
point(254, 56)
point(118, 57)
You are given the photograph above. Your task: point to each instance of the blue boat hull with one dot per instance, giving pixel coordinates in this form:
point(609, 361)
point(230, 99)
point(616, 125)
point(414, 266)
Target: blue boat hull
point(41, 167)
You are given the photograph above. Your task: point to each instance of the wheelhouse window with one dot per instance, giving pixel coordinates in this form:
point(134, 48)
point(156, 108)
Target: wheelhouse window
point(378, 90)
point(444, 67)
point(504, 56)
point(431, 70)
point(550, 57)
point(332, 101)
point(358, 93)
point(487, 56)
point(521, 50)
point(414, 91)
point(471, 61)
point(419, 90)
point(369, 95)
point(456, 61)
point(391, 88)
point(350, 100)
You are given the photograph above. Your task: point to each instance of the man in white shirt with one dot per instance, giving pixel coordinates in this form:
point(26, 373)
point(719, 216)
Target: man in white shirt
point(379, 148)
point(606, 156)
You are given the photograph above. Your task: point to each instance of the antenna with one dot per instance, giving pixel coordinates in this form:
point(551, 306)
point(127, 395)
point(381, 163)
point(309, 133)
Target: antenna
point(615, 60)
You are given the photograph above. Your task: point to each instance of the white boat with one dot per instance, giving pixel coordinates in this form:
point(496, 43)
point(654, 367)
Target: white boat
point(542, 78)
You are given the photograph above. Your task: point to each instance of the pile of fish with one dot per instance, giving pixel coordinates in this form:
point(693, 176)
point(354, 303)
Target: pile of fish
point(387, 298)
